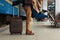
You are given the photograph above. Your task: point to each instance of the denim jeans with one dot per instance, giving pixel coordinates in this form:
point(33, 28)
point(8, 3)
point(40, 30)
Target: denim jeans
point(39, 15)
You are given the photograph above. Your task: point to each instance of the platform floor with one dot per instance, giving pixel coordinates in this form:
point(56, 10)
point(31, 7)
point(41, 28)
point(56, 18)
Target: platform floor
point(42, 32)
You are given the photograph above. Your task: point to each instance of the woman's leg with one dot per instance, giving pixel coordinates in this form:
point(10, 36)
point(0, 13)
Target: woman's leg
point(28, 15)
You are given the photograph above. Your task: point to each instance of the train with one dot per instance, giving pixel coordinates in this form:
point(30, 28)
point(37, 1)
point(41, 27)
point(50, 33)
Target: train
point(6, 11)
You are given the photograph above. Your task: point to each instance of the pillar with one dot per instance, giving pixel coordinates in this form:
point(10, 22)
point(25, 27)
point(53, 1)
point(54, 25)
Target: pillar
point(57, 8)
point(44, 5)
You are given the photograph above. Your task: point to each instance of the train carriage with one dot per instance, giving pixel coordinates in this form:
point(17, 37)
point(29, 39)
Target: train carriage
point(6, 10)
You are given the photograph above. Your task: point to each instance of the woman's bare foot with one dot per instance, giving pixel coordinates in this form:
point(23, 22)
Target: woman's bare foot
point(29, 33)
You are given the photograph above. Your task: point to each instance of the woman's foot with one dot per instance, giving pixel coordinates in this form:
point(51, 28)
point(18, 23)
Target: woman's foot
point(29, 33)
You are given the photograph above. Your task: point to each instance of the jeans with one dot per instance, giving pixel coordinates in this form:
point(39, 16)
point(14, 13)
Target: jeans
point(37, 15)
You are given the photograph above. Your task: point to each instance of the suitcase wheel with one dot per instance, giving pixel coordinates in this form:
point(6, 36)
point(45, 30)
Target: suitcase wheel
point(21, 33)
point(11, 33)
point(16, 33)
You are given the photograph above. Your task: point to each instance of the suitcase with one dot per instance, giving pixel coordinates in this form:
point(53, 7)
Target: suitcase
point(16, 25)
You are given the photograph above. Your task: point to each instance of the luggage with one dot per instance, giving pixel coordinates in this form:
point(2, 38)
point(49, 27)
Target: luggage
point(16, 25)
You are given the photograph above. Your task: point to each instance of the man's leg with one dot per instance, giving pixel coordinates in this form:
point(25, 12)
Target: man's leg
point(28, 15)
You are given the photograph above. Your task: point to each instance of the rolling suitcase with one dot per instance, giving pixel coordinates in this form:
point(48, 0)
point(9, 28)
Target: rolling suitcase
point(16, 24)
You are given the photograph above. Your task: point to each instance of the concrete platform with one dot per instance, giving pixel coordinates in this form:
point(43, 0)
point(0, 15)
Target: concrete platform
point(41, 33)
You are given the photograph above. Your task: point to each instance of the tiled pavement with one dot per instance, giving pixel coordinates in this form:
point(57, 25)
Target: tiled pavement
point(41, 33)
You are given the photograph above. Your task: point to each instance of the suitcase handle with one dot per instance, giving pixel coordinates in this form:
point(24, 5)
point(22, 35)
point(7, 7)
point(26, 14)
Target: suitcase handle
point(13, 11)
point(18, 12)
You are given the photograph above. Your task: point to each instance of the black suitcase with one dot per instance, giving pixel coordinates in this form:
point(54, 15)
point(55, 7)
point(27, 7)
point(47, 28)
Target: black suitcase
point(16, 25)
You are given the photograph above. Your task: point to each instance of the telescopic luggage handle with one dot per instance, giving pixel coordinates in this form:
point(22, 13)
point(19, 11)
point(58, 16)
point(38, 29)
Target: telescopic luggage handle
point(14, 13)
